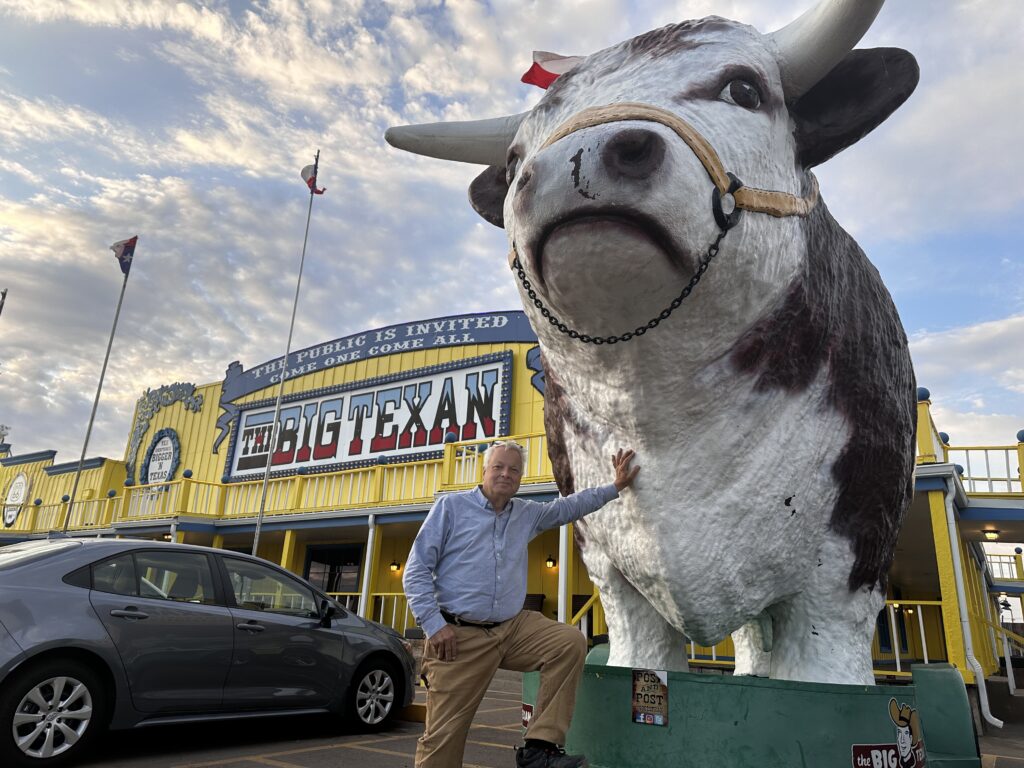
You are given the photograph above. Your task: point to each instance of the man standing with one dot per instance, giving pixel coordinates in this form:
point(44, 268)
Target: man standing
point(466, 583)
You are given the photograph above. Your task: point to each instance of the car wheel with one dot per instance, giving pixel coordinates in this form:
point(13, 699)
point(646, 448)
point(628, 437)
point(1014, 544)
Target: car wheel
point(374, 695)
point(50, 713)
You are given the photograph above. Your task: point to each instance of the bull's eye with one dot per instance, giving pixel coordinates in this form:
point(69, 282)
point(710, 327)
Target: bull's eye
point(742, 94)
point(511, 166)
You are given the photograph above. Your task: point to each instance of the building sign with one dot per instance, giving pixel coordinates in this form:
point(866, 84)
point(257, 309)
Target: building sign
point(148, 406)
point(907, 752)
point(394, 418)
point(17, 495)
point(454, 331)
point(650, 696)
point(162, 458)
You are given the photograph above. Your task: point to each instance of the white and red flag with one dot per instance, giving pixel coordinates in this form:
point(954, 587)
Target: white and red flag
point(547, 67)
point(309, 176)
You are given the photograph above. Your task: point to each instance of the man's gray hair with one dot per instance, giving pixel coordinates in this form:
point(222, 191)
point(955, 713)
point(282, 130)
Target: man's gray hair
point(511, 445)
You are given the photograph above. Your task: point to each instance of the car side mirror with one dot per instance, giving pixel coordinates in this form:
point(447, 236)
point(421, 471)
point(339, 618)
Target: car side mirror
point(327, 612)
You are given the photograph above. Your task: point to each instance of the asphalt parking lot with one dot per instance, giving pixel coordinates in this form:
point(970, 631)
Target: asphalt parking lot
point(305, 742)
point(322, 742)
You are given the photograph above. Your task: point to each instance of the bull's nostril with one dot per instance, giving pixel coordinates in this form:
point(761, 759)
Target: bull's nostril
point(633, 152)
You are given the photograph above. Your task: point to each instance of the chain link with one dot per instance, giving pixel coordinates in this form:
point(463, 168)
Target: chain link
point(638, 331)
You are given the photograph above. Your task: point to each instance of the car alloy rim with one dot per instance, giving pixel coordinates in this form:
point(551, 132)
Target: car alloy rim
point(52, 717)
point(375, 697)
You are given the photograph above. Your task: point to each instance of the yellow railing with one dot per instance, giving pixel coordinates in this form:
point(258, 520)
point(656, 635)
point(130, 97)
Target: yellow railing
point(388, 608)
point(464, 462)
point(364, 487)
point(1006, 567)
point(590, 617)
point(914, 635)
point(989, 470)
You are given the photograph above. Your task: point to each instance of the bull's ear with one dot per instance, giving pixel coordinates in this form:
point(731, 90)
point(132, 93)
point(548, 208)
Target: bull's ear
point(861, 91)
point(487, 195)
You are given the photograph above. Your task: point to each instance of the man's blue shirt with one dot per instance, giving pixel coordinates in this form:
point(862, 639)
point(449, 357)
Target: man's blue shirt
point(472, 561)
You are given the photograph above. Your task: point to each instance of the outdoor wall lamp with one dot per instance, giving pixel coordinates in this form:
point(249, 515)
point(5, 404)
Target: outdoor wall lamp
point(550, 562)
point(991, 535)
point(395, 565)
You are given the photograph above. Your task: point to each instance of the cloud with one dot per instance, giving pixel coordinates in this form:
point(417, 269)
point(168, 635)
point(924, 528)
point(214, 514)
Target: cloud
point(975, 379)
point(210, 183)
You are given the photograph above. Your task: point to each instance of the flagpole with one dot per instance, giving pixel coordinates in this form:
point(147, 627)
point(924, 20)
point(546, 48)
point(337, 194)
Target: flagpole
point(95, 403)
point(284, 369)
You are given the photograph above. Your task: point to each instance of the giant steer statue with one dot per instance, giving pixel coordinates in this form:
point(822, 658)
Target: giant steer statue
point(695, 300)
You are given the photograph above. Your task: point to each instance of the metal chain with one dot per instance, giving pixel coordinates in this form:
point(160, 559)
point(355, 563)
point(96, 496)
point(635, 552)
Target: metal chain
point(639, 331)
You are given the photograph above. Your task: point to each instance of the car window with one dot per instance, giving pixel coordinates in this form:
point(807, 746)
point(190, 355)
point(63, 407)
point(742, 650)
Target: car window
point(116, 575)
point(260, 588)
point(184, 577)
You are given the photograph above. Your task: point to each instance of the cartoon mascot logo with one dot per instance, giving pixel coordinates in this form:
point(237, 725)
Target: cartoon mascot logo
point(908, 733)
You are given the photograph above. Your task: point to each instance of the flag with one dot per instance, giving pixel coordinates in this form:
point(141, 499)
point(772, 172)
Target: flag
point(124, 250)
point(308, 175)
point(547, 67)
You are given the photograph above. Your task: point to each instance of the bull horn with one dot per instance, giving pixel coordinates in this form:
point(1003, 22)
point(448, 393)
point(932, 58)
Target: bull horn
point(484, 142)
point(810, 46)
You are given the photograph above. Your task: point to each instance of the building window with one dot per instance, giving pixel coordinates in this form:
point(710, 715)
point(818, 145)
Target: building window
point(334, 568)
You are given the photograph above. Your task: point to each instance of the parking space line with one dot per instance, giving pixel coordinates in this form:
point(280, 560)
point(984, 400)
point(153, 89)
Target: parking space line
point(302, 751)
point(513, 727)
point(490, 744)
point(498, 709)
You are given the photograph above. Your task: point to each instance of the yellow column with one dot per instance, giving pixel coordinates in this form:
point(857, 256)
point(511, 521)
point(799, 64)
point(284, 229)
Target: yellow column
point(570, 566)
point(288, 551)
point(947, 584)
point(218, 541)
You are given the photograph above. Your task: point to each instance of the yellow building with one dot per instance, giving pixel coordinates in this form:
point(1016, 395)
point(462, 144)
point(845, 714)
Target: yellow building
point(375, 425)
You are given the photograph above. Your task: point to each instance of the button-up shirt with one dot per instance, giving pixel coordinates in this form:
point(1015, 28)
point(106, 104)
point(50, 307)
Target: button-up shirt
point(471, 560)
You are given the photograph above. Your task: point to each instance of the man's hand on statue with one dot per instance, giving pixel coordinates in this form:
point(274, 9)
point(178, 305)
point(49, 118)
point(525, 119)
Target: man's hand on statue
point(443, 643)
point(624, 476)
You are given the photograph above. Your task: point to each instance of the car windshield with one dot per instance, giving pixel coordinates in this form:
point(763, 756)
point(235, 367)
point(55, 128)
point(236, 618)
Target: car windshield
point(27, 551)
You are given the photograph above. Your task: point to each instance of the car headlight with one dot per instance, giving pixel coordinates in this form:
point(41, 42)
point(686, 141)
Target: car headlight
point(407, 645)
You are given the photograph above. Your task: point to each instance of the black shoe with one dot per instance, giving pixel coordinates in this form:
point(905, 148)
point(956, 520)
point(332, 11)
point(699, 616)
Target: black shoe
point(537, 757)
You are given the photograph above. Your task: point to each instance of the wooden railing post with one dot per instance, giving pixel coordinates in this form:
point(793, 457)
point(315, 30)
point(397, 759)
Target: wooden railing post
point(377, 484)
point(448, 465)
point(108, 509)
point(296, 492)
point(185, 493)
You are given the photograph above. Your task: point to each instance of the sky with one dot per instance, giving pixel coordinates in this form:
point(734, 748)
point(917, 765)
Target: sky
point(188, 124)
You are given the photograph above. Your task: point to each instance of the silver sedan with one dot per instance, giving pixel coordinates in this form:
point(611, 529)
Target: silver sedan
point(98, 633)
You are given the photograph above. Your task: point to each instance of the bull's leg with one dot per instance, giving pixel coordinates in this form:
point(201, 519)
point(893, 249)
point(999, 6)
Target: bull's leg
point(824, 633)
point(638, 635)
point(753, 643)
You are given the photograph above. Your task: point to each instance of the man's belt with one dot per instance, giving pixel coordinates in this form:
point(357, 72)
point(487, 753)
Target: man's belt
point(451, 618)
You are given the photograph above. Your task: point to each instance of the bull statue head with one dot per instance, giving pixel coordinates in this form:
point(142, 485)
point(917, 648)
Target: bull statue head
point(695, 300)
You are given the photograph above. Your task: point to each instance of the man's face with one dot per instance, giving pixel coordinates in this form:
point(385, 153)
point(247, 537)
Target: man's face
point(504, 473)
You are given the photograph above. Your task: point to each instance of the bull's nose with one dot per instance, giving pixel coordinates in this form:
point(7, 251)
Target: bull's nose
point(633, 153)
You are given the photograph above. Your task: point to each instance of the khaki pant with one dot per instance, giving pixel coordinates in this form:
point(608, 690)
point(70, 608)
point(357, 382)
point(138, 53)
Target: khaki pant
point(525, 643)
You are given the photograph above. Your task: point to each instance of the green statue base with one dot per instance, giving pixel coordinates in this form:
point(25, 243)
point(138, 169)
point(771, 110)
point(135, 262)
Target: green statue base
point(628, 718)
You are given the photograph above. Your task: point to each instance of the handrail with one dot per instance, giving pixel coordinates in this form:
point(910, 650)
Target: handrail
point(1010, 634)
point(575, 620)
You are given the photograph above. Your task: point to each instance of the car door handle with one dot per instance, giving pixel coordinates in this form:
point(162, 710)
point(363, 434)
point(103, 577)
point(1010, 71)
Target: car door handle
point(129, 613)
point(250, 627)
